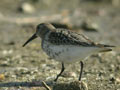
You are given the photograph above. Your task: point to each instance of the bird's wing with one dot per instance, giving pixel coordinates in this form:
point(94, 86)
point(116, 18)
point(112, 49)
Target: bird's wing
point(67, 37)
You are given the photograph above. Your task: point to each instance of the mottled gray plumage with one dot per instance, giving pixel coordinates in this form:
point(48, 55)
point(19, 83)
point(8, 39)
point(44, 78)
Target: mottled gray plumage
point(66, 46)
point(67, 37)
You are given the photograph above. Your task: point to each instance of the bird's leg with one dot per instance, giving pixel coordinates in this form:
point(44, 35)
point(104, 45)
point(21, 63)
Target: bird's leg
point(62, 70)
point(81, 70)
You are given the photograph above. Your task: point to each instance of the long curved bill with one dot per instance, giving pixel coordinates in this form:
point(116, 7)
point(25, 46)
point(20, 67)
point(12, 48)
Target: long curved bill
point(30, 39)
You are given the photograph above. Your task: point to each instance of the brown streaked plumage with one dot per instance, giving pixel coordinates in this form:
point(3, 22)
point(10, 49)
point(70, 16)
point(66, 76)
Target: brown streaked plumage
point(66, 46)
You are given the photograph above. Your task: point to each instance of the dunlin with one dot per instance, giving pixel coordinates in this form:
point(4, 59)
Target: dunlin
point(66, 46)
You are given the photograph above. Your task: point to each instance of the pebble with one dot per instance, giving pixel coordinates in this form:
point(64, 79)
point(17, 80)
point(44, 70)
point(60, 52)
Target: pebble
point(2, 77)
point(75, 85)
point(118, 80)
point(69, 74)
point(5, 52)
point(26, 8)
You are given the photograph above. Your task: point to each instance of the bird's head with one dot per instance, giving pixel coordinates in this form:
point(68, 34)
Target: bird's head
point(41, 30)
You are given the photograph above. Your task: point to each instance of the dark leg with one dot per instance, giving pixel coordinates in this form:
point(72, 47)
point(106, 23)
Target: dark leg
point(62, 70)
point(81, 64)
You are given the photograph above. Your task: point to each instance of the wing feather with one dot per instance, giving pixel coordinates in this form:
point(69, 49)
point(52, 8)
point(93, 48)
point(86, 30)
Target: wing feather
point(67, 37)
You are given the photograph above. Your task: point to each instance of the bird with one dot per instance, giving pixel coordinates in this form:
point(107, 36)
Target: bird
point(66, 46)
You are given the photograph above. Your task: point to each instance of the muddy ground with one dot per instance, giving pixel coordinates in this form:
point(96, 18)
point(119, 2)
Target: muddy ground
point(25, 68)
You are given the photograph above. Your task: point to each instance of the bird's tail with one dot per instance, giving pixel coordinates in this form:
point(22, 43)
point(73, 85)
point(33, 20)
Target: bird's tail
point(106, 48)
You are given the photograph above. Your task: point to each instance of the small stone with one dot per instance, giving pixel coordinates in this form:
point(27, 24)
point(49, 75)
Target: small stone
point(76, 85)
point(27, 8)
point(13, 76)
point(118, 80)
point(5, 52)
point(60, 25)
point(89, 27)
point(11, 43)
point(69, 74)
point(4, 64)
point(112, 79)
point(2, 77)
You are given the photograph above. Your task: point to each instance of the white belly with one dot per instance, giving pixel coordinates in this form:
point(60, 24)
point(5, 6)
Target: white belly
point(68, 53)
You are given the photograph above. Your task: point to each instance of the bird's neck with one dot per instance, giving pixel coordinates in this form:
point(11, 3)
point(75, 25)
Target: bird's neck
point(47, 30)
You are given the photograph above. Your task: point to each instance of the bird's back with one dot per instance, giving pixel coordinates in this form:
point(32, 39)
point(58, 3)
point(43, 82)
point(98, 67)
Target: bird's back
point(65, 45)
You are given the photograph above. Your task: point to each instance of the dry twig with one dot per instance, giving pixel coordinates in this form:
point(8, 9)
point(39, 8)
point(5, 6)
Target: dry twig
point(46, 86)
